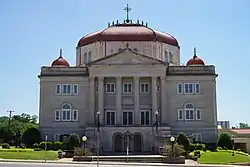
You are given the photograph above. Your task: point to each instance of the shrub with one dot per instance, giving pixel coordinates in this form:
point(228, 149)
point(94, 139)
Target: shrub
point(74, 141)
point(22, 146)
point(35, 145)
point(38, 149)
point(178, 150)
point(200, 147)
point(6, 146)
point(225, 141)
point(183, 140)
point(16, 150)
point(211, 146)
point(82, 151)
point(191, 147)
point(219, 148)
point(57, 145)
point(48, 145)
point(64, 145)
point(31, 136)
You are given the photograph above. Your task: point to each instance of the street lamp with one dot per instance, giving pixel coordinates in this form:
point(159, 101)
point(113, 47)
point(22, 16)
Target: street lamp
point(98, 136)
point(156, 120)
point(172, 140)
point(84, 140)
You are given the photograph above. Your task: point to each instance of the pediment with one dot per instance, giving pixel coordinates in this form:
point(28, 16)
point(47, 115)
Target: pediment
point(127, 57)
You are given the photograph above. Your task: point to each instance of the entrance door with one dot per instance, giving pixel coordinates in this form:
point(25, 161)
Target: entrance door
point(137, 143)
point(118, 143)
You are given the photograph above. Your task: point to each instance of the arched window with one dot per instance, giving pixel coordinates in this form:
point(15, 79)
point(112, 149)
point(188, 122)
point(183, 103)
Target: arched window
point(89, 58)
point(166, 56)
point(189, 111)
point(66, 112)
point(85, 59)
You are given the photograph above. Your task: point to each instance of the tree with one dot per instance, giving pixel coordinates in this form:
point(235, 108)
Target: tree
point(74, 141)
point(225, 141)
point(244, 125)
point(183, 140)
point(31, 136)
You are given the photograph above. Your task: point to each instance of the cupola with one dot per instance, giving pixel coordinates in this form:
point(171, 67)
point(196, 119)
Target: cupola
point(195, 61)
point(60, 61)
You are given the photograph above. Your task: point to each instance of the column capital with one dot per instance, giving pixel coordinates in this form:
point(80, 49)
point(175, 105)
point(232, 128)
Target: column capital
point(163, 77)
point(136, 77)
point(154, 77)
point(91, 79)
point(118, 77)
point(100, 78)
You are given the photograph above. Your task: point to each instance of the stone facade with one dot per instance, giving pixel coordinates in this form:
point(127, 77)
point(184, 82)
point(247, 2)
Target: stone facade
point(141, 97)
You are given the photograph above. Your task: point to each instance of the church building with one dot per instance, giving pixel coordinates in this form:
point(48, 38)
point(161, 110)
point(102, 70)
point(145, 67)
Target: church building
point(128, 86)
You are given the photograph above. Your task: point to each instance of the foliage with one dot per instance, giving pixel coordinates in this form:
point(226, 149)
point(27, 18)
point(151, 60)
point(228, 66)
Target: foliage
point(244, 125)
point(65, 145)
point(6, 146)
point(35, 145)
point(38, 149)
point(16, 150)
point(82, 151)
point(34, 155)
point(178, 150)
point(48, 145)
point(191, 147)
point(183, 140)
point(31, 136)
point(199, 146)
point(57, 145)
point(74, 141)
point(225, 141)
point(19, 124)
point(211, 146)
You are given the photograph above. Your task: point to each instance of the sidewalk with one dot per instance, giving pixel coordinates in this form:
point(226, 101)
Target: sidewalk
point(189, 163)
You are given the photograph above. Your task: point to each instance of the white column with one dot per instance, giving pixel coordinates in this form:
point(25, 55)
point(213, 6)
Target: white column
point(100, 99)
point(91, 100)
point(118, 100)
point(163, 114)
point(136, 100)
point(154, 97)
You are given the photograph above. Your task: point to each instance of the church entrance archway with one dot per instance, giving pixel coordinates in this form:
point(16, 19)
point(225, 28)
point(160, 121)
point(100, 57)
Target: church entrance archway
point(137, 143)
point(118, 143)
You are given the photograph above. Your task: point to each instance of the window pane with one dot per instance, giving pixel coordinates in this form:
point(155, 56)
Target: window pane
point(112, 118)
point(64, 88)
point(68, 88)
point(146, 88)
point(191, 114)
point(68, 115)
point(142, 118)
point(147, 117)
point(124, 118)
point(75, 89)
point(186, 88)
point(64, 115)
point(130, 118)
point(187, 114)
point(58, 89)
point(108, 118)
point(197, 88)
point(190, 88)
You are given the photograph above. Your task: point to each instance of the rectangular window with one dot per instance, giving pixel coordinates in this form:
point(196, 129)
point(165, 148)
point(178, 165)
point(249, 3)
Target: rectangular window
point(188, 88)
point(75, 89)
point(145, 117)
point(127, 88)
point(144, 87)
point(110, 88)
point(189, 114)
point(166, 56)
point(179, 88)
point(198, 114)
point(127, 117)
point(110, 118)
point(66, 89)
point(197, 88)
point(75, 115)
point(58, 89)
point(56, 137)
point(57, 115)
point(66, 115)
point(180, 114)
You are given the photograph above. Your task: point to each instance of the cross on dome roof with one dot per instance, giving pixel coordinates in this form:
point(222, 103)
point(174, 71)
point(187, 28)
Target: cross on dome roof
point(127, 10)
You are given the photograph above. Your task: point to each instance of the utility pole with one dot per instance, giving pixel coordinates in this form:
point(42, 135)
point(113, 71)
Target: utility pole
point(10, 114)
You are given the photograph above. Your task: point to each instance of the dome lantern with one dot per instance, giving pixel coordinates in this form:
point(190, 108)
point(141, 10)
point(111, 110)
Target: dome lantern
point(195, 61)
point(60, 61)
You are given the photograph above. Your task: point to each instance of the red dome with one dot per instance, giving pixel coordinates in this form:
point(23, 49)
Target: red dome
point(128, 32)
point(195, 61)
point(60, 62)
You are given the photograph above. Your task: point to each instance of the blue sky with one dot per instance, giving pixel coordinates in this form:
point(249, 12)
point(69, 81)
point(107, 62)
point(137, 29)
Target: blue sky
point(32, 32)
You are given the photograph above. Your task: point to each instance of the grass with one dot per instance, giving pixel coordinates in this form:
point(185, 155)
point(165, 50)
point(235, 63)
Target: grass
point(223, 157)
point(34, 155)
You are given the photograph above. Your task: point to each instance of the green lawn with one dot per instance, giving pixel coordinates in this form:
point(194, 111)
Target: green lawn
point(222, 157)
point(34, 155)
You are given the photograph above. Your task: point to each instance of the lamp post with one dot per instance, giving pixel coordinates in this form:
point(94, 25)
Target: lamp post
point(84, 140)
point(232, 142)
point(45, 150)
point(172, 140)
point(98, 136)
point(156, 129)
